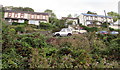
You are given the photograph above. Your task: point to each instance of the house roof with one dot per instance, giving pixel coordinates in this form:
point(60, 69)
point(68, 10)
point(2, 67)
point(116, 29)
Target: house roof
point(68, 18)
point(95, 15)
point(38, 13)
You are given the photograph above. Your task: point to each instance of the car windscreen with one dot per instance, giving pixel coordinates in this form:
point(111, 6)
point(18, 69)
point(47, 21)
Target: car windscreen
point(68, 30)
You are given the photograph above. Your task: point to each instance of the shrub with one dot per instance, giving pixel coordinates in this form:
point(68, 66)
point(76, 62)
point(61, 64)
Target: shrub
point(114, 48)
point(34, 40)
point(111, 29)
point(28, 41)
point(90, 29)
point(39, 43)
point(49, 51)
point(56, 30)
point(46, 26)
point(64, 51)
point(11, 59)
point(66, 45)
point(20, 28)
point(16, 23)
point(31, 25)
point(29, 29)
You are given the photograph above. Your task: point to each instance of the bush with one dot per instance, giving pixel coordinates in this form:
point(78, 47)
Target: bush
point(66, 45)
point(32, 26)
point(49, 51)
point(39, 43)
point(33, 40)
point(16, 23)
point(90, 29)
point(29, 29)
point(104, 25)
point(28, 40)
point(64, 51)
point(11, 59)
point(20, 28)
point(46, 26)
point(114, 49)
point(111, 29)
point(56, 30)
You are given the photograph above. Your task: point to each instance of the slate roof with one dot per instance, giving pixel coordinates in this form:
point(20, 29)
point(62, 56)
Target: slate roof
point(68, 18)
point(38, 13)
point(95, 15)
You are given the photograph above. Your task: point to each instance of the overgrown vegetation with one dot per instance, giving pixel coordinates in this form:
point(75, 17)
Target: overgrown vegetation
point(38, 51)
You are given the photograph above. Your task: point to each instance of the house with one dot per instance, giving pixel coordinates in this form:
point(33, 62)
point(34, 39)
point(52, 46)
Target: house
point(86, 19)
point(116, 25)
point(22, 16)
point(74, 20)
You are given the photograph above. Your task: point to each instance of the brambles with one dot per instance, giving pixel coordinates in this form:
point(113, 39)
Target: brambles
point(35, 50)
point(64, 51)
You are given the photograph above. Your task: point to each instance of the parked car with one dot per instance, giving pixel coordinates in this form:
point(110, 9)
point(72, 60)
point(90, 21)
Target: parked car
point(114, 32)
point(63, 32)
point(102, 32)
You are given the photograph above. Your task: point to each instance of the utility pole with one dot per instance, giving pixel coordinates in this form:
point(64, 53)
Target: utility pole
point(1, 6)
point(106, 20)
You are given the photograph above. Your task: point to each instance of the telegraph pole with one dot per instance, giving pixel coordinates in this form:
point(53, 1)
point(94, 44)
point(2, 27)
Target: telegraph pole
point(106, 20)
point(1, 6)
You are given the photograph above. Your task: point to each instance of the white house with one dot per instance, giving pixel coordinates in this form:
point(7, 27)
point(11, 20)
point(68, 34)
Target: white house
point(22, 16)
point(116, 25)
point(86, 19)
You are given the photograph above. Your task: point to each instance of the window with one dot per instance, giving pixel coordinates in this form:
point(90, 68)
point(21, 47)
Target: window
point(44, 17)
point(20, 21)
point(15, 15)
point(63, 30)
point(68, 30)
point(9, 14)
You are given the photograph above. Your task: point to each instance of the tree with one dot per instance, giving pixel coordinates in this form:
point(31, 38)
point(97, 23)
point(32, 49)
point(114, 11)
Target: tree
point(20, 8)
point(69, 22)
point(17, 8)
point(51, 13)
point(52, 16)
point(46, 26)
point(76, 15)
point(69, 16)
point(61, 23)
point(89, 12)
point(115, 15)
point(28, 9)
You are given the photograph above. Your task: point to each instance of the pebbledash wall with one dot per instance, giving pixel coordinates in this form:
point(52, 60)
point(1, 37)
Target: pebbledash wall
point(86, 19)
point(22, 16)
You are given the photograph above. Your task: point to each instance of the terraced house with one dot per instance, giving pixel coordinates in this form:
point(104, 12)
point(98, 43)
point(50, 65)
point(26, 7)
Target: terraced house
point(22, 16)
point(86, 19)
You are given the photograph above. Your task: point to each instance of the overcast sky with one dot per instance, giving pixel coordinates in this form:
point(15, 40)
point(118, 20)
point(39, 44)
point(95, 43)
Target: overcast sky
point(64, 7)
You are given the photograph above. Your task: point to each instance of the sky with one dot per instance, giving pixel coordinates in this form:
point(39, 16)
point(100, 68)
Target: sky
point(62, 8)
